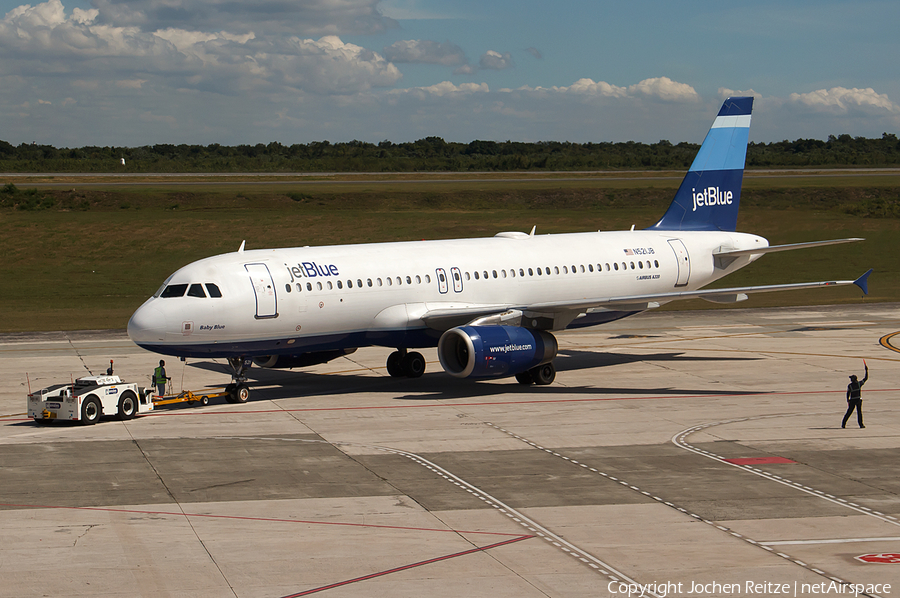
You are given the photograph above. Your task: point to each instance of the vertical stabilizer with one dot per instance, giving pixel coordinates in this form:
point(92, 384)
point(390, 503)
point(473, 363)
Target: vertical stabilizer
point(710, 193)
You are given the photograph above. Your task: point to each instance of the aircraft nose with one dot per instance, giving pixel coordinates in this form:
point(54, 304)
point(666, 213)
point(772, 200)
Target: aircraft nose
point(147, 324)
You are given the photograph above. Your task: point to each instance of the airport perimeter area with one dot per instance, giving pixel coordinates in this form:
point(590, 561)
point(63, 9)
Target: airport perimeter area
point(676, 454)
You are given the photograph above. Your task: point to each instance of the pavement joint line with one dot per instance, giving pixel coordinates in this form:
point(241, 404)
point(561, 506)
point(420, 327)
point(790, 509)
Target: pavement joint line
point(736, 535)
point(680, 441)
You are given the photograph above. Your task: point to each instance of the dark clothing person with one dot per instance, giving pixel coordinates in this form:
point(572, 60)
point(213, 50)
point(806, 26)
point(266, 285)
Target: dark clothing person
point(854, 399)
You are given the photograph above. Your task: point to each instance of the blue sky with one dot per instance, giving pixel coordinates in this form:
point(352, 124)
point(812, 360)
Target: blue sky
point(137, 72)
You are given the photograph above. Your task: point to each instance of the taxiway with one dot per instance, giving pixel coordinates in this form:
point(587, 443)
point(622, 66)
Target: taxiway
point(692, 448)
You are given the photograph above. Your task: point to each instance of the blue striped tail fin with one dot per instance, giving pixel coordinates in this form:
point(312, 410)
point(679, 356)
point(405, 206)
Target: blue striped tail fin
point(710, 193)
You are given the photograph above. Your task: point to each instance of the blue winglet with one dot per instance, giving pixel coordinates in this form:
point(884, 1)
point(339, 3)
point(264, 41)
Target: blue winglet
point(863, 282)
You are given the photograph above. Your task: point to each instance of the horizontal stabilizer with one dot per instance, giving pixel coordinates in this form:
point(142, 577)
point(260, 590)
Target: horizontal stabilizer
point(789, 247)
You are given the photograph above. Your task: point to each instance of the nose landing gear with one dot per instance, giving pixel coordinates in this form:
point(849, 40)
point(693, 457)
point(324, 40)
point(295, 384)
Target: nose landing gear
point(238, 392)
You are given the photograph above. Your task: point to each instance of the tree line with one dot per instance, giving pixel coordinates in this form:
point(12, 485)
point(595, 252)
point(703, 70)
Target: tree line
point(435, 154)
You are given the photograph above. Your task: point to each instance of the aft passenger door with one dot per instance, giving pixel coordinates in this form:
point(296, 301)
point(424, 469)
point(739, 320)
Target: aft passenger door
point(264, 289)
point(683, 260)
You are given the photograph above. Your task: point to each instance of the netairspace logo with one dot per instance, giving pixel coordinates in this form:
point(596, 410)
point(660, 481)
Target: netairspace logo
point(663, 589)
point(508, 348)
point(711, 196)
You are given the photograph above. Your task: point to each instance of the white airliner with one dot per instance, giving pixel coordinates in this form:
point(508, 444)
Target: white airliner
point(489, 305)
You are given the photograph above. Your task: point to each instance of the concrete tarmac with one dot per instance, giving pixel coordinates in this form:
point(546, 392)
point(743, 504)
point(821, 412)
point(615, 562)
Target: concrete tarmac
point(699, 453)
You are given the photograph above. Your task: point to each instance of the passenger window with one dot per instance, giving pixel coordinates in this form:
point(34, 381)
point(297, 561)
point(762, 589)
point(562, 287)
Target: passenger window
point(616, 266)
point(503, 273)
point(196, 290)
point(428, 278)
point(379, 282)
point(174, 290)
point(399, 280)
point(213, 290)
point(408, 280)
point(319, 285)
point(591, 267)
point(299, 287)
point(369, 281)
point(389, 281)
point(607, 267)
point(495, 273)
point(521, 272)
point(309, 286)
point(330, 286)
point(632, 265)
point(656, 263)
point(530, 272)
point(287, 288)
point(641, 265)
point(359, 282)
point(485, 275)
point(540, 272)
point(476, 275)
point(340, 285)
point(418, 279)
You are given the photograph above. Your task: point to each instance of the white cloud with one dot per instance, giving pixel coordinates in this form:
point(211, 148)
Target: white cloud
point(42, 40)
point(443, 89)
point(495, 60)
point(425, 51)
point(661, 88)
point(840, 100)
point(664, 88)
point(292, 17)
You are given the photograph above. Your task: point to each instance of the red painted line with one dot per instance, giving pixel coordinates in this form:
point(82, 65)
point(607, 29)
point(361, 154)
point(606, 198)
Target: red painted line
point(496, 403)
point(264, 519)
point(758, 460)
point(407, 567)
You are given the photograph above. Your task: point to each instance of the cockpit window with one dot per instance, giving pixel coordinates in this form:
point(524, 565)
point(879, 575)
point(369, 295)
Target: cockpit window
point(213, 290)
point(174, 290)
point(196, 290)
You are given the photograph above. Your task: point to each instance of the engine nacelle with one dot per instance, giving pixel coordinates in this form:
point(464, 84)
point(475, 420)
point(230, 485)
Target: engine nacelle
point(494, 351)
point(300, 360)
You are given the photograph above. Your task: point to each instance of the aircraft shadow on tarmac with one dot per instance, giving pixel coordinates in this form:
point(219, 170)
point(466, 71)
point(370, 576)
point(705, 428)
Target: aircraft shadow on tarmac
point(437, 385)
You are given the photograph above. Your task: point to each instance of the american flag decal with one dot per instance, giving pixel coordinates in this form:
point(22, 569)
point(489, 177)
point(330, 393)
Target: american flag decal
point(629, 252)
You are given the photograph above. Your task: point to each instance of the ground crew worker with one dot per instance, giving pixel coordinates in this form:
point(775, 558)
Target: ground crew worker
point(854, 398)
point(160, 378)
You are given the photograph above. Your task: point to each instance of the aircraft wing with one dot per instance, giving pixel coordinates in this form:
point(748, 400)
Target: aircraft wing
point(564, 312)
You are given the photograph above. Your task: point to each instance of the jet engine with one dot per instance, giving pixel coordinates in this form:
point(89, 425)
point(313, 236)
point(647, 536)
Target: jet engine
point(494, 351)
point(300, 360)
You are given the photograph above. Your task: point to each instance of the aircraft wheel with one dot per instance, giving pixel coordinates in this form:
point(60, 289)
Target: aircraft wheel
point(204, 400)
point(394, 367)
point(90, 411)
point(525, 378)
point(240, 394)
point(544, 374)
point(413, 365)
point(127, 406)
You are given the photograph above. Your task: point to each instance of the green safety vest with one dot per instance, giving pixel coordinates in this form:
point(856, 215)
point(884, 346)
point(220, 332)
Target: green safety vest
point(159, 376)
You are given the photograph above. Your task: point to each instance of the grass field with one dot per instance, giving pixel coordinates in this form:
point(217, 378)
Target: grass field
point(93, 257)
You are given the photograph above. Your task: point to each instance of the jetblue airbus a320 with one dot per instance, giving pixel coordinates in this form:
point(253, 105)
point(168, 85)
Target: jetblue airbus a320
point(489, 305)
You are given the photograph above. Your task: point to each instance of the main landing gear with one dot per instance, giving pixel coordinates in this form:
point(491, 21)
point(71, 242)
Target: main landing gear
point(400, 364)
point(238, 392)
point(541, 375)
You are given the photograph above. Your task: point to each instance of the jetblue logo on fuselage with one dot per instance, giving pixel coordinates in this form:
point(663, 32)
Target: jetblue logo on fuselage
point(311, 270)
point(711, 196)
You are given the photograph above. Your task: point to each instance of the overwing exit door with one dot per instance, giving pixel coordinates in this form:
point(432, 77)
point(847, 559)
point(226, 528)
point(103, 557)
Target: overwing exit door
point(264, 289)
